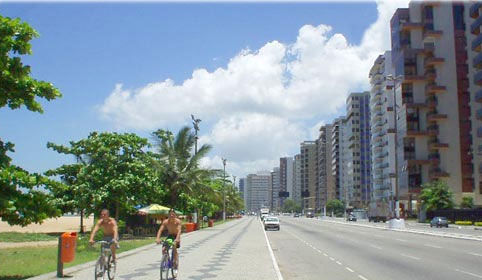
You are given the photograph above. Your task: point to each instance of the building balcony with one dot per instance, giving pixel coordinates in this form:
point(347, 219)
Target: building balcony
point(478, 61)
point(479, 114)
point(474, 10)
point(434, 157)
point(433, 130)
point(428, 33)
point(412, 104)
point(479, 132)
point(406, 26)
point(480, 168)
point(434, 88)
point(428, 48)
point(436, 145)
point(412, 162)
point(416, 133)
point(476, 43)
point(432, 61)
point(430, 74)
point(435, 116)
point(413, 78)
point(436, 173)
point(431, 101)
point(478, 78)
point(478, 96)
point(475, 26)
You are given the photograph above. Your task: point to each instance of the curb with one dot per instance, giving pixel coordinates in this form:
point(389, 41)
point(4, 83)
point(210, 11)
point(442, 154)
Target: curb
point(409, 231)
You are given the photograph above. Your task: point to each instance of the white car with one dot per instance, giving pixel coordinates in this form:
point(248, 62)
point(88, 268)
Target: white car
point(271, 223)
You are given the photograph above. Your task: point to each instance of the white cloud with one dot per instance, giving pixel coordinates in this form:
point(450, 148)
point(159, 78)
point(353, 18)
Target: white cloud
point(261, 102)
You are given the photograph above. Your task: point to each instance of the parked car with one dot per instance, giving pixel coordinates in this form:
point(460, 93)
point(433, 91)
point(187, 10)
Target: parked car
point(271, 223)
point(263, 216)
point(439, 222)
point(351, 218)
point(296, 215)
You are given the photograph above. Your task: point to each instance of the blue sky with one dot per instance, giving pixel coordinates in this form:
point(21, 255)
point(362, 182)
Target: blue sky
point(86, 49)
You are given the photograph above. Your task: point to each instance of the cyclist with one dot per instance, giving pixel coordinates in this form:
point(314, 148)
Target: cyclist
point(109, 226)
point(173, 226)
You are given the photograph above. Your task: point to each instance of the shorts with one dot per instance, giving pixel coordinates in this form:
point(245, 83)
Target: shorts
point(108, 239)
point(173, 237)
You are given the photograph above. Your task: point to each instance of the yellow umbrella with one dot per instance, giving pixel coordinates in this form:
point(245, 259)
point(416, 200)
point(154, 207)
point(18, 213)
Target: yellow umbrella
point(154, 209)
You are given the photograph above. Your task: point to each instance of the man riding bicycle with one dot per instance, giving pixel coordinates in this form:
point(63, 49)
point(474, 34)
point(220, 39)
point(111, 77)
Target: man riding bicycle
point(173, 226)
point(109, 226)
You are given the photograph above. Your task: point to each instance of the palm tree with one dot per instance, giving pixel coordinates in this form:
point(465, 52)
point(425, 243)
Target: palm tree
point(177, 163)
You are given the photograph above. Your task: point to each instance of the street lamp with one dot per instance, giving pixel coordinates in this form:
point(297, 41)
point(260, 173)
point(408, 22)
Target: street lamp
point(398, 224)
point(224, 189)
point(195, 123)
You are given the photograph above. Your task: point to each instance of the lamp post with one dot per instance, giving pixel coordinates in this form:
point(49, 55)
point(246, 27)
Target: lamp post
point(398, 224)
point(195, 123)
point(224, 189)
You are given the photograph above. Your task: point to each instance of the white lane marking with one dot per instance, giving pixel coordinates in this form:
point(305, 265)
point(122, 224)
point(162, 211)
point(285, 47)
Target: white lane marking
point(338, 262)
point(275, 264)
point(401, 240)
point(412, 257)
point(376, 247)
point(475, 254)
point(349, 269)
point(324, 254)
point(332, 259)
point(469, 273)
point(361, 277)
point(432, 246)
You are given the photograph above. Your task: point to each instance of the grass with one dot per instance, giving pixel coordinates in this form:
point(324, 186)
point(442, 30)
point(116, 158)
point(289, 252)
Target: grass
point(21, 263)
point(25, 237)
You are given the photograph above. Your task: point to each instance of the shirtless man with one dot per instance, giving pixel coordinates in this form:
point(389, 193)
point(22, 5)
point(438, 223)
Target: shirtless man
point(109, 226)
point(173, 225)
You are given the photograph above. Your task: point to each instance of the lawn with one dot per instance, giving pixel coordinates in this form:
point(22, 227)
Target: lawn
point(24, 237)
point(21, 263)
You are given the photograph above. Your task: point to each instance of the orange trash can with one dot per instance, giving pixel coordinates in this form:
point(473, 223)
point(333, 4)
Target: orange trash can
point(211, 223)
point(190, 227)
point(68, 243)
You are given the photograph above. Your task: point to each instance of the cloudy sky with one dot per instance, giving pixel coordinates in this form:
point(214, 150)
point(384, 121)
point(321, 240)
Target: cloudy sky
point(261, 76)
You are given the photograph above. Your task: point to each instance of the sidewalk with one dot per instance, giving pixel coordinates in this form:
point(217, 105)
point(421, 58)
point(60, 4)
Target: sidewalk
point(235, 250)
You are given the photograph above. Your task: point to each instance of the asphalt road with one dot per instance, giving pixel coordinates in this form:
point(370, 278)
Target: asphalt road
point(314, 249)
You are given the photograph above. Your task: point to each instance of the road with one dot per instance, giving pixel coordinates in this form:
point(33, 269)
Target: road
point(315, 249)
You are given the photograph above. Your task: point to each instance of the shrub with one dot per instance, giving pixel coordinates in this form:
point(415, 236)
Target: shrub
point(479, 224)
point(463, 223)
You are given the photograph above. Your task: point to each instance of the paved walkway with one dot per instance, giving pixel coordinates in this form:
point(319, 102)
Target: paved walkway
point(234, 250)
point(4, 245)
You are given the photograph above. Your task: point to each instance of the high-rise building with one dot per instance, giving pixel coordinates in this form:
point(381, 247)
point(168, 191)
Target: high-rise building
point(382, 132)
point(286, 166)
point(257, 186)
point(308, 170)
point(337, 156)
point(436, 123)
point(297, 179)
point(359, 163)
point(242, 192)
point(275, 189)
point(325, 179)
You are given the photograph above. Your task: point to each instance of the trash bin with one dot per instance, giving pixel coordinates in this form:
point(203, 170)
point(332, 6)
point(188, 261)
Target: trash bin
point(211, 223)
point(190, 227)
point(68, 245)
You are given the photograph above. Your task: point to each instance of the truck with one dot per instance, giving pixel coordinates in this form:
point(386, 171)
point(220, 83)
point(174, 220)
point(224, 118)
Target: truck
point(263, 212)
point(378, 211)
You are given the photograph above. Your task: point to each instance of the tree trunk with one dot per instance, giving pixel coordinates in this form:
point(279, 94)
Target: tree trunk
point(82, 221)
point(117, 210)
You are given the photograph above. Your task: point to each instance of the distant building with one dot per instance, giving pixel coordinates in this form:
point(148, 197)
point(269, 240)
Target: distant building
point(308, 171)
point(274, 190)
point(257, 186)
point(286, 166)
point(325, 181)
point(297, 179)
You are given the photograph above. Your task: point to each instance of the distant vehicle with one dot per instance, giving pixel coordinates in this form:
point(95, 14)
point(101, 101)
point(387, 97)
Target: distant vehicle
point(378, 212)
point(351, 218)
point(263, 216)
point(296, 215)
point(310, 212)
point(439, 222)
point(271, 223)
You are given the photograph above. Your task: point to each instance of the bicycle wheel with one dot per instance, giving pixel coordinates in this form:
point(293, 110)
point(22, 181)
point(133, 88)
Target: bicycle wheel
point(164, 267)
point(174, 267)
point(111, 268)
point(99, 269)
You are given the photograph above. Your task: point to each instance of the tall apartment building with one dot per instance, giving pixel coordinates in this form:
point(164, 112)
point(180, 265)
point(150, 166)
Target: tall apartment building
point(308, 171)
point(297, 179)
point(382, 123)
point(473, 18)
point(359, 163)
point(436, 124)
point(274, 190)
point(325, 179)
point(338, 156)
point(286, 166)
point(257, 186)
point(242, 193)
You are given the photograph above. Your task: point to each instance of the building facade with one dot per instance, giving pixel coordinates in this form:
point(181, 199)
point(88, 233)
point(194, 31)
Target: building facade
point(286, 166)
point(325, 179)
point(308, 172)
point(297, 179)
point(257, 189)
point(274, 190)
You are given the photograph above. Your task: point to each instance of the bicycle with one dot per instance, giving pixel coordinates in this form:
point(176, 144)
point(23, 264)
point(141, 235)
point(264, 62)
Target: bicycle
point(104, 263)
point(167, 260)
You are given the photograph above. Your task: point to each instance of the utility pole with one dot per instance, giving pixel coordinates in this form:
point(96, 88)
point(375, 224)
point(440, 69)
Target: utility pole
point(224, 189)
point(195, 123)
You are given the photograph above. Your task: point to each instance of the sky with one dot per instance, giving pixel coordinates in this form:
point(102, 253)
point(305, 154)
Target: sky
point(262, 77)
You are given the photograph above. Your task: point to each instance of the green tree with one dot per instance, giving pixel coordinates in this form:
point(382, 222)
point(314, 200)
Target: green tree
point(335, 206)
point(436, 195)
point(117, 176)
point(467, 202)
point(178, 164)
point(22, 199)
point(289, 205)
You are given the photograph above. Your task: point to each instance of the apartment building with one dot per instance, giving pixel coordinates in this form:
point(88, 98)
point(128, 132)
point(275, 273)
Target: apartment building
point(382, 124)
point(274, 200)
point(308, 174)
point(325, 179)
point(297, 179)
point(257, 190)
point(358, 153)
point(438, 97)
point(286, 166)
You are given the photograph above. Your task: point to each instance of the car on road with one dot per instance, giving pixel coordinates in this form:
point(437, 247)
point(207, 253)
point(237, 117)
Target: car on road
point(271, 223)
point(296, 215)
point(439, 222)
point(351, 218)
